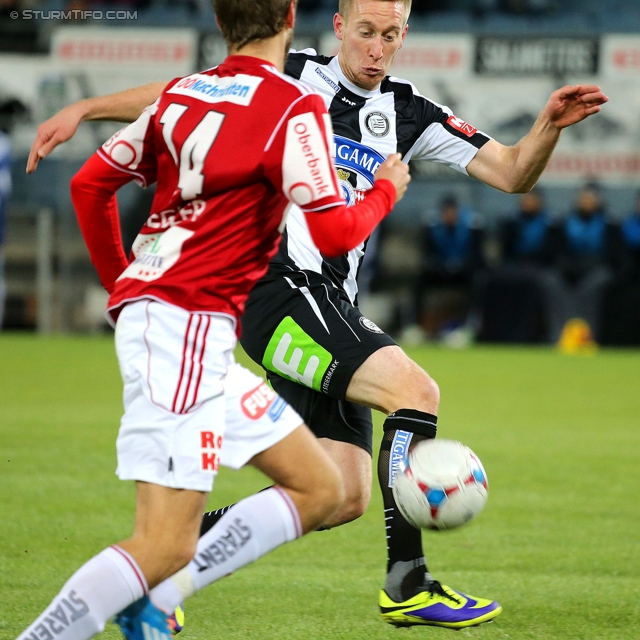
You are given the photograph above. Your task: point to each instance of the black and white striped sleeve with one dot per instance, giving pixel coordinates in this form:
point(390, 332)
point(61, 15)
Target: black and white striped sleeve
point(445, 138)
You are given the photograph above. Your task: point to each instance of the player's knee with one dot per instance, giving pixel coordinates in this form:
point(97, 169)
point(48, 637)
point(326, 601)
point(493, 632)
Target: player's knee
point(429, 393)
point(416, 389)
point(329, 496)
point(355, 504)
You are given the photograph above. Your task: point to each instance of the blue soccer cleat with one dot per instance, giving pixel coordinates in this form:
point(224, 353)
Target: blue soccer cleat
point(142, 620)
point(438, 606)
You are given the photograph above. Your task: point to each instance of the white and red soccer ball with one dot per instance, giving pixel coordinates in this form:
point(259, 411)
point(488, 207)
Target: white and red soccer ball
point(442, 485)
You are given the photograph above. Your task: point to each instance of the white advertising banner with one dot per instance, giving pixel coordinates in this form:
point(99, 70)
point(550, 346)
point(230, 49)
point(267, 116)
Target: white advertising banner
point(92, 61)
point(620, 57)
point(118, 58)
point(604, 148)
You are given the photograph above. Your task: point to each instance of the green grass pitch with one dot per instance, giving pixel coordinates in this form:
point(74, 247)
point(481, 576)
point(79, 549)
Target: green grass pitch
point(558, 544)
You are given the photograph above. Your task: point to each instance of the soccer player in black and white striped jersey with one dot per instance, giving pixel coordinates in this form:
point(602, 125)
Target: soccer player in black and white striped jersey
point(302, 324)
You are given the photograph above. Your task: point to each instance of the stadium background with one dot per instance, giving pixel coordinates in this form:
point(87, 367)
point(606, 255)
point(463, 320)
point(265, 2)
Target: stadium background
point(557, 544)
point(494, 62)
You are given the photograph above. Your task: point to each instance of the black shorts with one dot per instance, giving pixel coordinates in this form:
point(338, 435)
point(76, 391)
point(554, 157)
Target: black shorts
point(310, 339)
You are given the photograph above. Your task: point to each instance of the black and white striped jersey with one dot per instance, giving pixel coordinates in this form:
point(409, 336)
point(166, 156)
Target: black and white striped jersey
point(368, 126)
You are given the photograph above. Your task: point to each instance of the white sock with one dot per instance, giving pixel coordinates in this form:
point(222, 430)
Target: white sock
point(102, 587)
point(249, 530)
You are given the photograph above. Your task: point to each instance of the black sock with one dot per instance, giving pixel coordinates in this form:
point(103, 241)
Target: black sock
point(406, 566)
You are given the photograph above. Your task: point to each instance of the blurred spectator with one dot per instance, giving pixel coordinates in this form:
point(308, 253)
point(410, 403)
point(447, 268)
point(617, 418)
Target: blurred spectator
point(5, 191)
point(621, 303)
point(419, 7)
point(452, 257)
point(512, 304)
point(522, 7)
point(527, 238)
point(590, 256)
point(631, 242)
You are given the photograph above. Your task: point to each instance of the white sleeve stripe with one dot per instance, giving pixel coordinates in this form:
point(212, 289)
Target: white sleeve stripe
point(296, 83)
point(322, 208)
point(282, 120)
point(109, 161)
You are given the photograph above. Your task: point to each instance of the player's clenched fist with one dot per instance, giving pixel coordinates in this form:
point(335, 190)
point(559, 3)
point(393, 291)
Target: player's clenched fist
point(396, 171)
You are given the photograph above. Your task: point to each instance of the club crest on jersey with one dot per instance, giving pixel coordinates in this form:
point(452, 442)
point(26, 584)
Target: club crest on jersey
point(377, 124)
point(353, 157)
point(369, 325)
point(461, 126)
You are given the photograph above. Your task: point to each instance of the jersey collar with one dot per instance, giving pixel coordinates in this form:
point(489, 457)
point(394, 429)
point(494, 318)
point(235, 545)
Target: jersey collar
point(334, 65)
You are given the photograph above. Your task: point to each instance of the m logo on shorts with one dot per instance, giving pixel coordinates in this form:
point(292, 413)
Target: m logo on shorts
point(255, 403)
point(210, 444)
point(294, 355)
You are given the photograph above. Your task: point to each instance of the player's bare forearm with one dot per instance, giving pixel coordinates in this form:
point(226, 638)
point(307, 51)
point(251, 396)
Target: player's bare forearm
point(125, 106)
point(517, 169)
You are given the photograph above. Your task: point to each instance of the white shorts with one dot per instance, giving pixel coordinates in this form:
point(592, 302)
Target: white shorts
point(184, 395)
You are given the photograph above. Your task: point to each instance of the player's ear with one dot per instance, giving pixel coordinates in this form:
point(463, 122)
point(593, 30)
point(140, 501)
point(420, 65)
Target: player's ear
point(291, 15)
point(338, 25)
point(404, 35)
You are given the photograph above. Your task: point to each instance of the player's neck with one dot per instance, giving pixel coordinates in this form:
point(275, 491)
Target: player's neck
point(272, 50)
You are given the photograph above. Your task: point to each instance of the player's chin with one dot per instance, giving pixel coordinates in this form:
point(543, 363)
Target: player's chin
point(370, 81)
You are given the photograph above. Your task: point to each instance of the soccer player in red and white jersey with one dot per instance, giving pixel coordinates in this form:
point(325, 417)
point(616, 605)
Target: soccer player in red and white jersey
point(230, 149)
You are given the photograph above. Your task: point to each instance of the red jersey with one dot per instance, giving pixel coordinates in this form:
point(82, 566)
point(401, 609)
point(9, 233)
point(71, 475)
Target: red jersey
point(230, 148)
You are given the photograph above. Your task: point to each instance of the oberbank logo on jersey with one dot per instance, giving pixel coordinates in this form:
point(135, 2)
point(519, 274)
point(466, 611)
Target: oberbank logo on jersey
point(238, 89)
point(357, 157)
point(307, 173)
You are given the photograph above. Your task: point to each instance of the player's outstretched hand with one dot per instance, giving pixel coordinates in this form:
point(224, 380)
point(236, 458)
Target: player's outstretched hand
point(397, 171)
point(57, 129)
point(572, 104)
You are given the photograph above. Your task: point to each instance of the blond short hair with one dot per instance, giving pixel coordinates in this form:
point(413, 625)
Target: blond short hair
point(345, 6)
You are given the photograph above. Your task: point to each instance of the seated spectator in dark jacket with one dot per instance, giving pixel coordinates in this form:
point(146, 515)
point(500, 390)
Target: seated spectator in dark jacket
point(590, 256)
point(452, 256)
point(511, 303)
point(526, 239)
point(631, 243)
point(621, 302)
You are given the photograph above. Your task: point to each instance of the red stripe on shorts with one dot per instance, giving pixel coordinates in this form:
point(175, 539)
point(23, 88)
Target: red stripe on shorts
point(184, 358)
point(202, 352)
point(194, 347)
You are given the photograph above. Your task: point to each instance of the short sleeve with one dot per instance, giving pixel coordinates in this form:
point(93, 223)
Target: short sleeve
point(298, 158)
point(446, 138)
point(132, 149)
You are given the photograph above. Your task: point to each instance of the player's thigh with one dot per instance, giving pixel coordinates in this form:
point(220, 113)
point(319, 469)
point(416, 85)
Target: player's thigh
point(303, 329)
point(329, 419)
point(256, 417)
point(389, 380)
